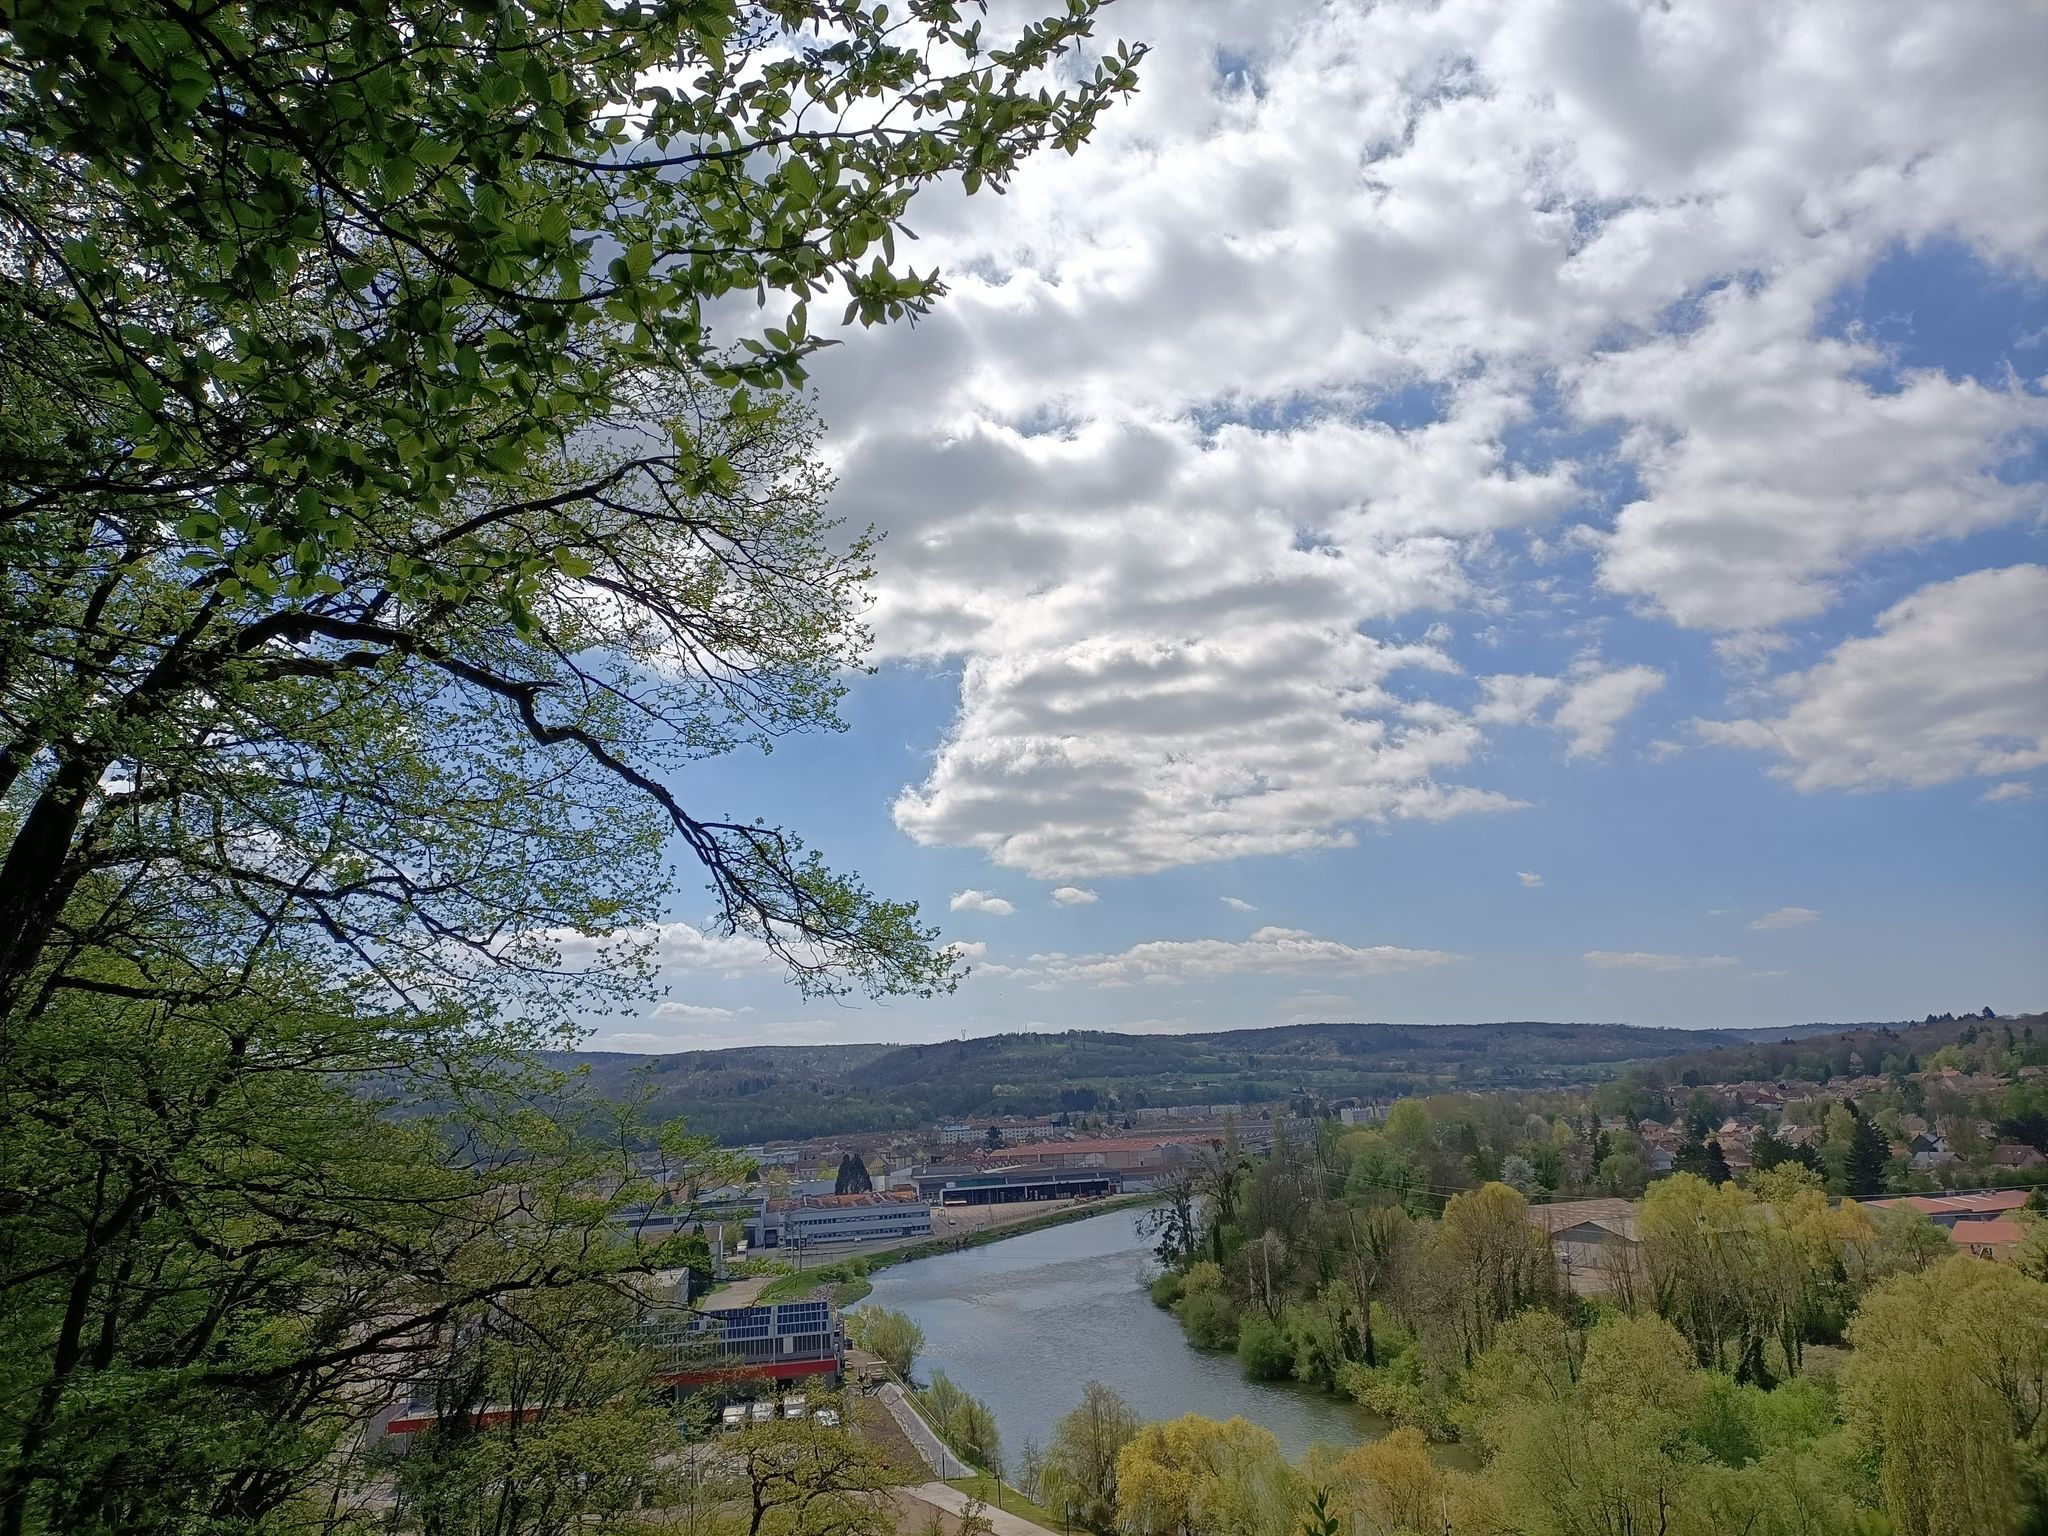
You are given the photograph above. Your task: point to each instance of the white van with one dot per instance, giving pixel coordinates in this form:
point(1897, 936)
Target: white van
point(793, 1407)
point(764, 1412)
point(735, 1418)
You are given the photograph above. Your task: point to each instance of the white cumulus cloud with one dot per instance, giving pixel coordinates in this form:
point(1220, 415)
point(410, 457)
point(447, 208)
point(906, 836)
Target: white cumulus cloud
point(1074, 896)
point(1237, 904)
point(1598, 701)
point(2001, 794)
point(982, 901)
point(1952, 684)
point(1138, 480)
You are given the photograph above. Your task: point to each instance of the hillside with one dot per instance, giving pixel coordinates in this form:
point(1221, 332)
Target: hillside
point(754, 1093)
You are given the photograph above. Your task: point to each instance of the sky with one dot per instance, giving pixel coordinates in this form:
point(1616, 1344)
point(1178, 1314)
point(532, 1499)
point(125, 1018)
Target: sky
point(1487, 510)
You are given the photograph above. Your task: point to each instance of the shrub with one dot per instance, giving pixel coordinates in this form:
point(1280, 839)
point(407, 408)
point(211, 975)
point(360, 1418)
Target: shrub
point(1263, 1348)
point(1166, 1290)
point(1209, 1319)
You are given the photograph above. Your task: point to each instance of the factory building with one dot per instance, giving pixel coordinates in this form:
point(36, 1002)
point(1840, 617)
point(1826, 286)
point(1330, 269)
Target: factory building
point(1005, 1186)
point(823, 1220)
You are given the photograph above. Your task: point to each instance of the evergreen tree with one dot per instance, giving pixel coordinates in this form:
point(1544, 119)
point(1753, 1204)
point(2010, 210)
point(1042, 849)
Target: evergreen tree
point(1863, 1171)
point(854, 1178)
point(1718, 1171)
point(1691, 1157)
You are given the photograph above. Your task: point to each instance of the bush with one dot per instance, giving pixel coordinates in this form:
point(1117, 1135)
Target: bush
point(1400, 1391)
point(1209, 1319)
point(1204, 1276)
point(1263, 1348)
point(1166, 1290)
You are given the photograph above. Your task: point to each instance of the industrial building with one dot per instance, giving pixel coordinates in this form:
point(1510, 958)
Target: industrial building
point(1004, 1186)
point(781, 1342)
point(822, 1220)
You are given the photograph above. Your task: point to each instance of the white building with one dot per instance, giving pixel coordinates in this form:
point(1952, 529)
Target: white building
point(822, 1220)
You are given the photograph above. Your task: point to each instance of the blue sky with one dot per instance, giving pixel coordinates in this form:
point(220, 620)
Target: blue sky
point(1469, 512)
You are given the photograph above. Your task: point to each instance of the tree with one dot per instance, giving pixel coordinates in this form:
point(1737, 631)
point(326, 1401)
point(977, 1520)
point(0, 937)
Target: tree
point(963, 1421)
point(890, 1336)
point(1081, 1458)
point(1392, 1485)
point(384, 524)
point(1949, 1383)
point(993, 1138)
point(1497, 1258)
point(1863, 1170)
point(219, 1254)
point(1691, 1157)
point(406, 521)
point(796, 1478)
point(853, 1177)
point(1174, 1221)
point(1767, 1152)
point(1611, 1453)
point(1196, 1476)
point(547, 1423)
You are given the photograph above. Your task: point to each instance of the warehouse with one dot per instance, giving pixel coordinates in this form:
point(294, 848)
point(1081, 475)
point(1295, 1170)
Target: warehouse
point(1005, 1186)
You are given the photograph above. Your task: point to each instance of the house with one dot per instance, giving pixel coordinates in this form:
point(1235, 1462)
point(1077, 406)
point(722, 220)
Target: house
point(1930, 1151)
point(2016, 1154)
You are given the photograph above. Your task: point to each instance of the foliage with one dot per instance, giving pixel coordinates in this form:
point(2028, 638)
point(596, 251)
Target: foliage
point(751, 1093)
point(1949, 1383)
point(1080, 1465)
point(406, 507)
point(218, 1255)
point(890, 1335)
point(1198, 1477)
point(384, 525)
point(576, 1439)
point(794, 1477)
point(1263, 1347)
point(962, 1421)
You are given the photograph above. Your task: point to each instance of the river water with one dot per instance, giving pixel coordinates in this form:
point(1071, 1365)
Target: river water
point(1023, 1322)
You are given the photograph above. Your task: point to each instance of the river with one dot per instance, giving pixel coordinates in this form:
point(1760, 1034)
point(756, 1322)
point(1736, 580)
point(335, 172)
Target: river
point(1021, 1323)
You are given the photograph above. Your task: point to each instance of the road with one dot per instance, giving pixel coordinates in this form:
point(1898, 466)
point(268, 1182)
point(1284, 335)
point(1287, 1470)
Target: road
point(950, 1499)
point(929, 1446)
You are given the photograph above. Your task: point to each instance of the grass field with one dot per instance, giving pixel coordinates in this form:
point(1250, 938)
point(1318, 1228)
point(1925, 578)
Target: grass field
point(839, 1283)
point(983, 1487)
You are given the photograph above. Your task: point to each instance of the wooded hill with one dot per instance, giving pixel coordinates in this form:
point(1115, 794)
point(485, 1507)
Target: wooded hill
point(754, 1093)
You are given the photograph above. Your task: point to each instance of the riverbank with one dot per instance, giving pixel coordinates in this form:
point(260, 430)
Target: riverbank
point(846, 1281)
point(1022, 1325)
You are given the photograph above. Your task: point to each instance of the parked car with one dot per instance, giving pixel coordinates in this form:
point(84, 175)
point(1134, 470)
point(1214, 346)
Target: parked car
point(764, 1412)
point(829, 1417)
point(735, 1416)
point(794, 1407)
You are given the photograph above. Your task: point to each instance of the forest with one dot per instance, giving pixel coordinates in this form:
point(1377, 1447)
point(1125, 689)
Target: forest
point(752, 1093)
